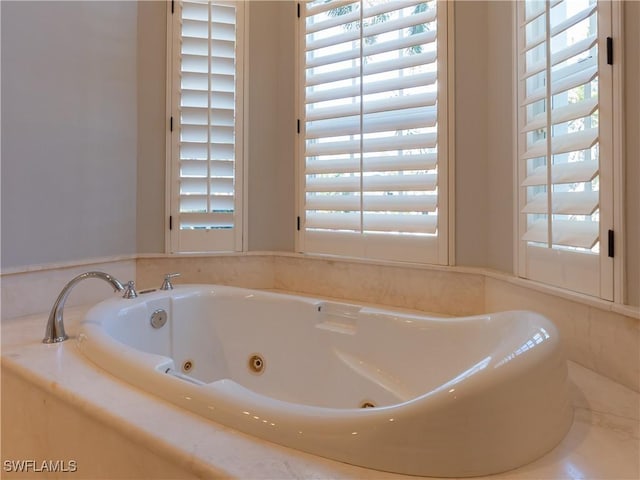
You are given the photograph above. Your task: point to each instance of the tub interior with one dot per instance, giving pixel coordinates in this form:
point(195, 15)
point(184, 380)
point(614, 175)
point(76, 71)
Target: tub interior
point(309, 351)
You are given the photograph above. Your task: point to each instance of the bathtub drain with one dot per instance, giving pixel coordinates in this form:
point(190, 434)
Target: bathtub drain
point(256, 363)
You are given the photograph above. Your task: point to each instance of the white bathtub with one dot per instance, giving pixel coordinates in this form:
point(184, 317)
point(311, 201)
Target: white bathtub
point(445, 396)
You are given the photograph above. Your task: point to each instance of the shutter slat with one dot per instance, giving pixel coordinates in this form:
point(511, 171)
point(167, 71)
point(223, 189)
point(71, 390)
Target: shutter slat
point(205, 64)
point(315, 9)
point(574, 141)
point(570, 142)
point(349, 35)
point(199, 151)
point(336, 21)
point(574, 80)
point(564, 203)
point(566, 233)
point(198, 203)
point(425, 161)
point(577, 48)
point(372, 69)
point(390, 222)
point(407, 101)
point(566, 113)
point(574, 20)
point(401, 23)
point(532, 12)
point(206, 220)
point(372, 222)
point(384, 66)
point(198, 186)
point(397, 142)
point(333, 221)
point(199, 168)
point(563, 173)
point(195, 11)
point(562, 55)
point(565, 82)
point(419, 80)
point(374, 122)
point(374, 9)
point(384, 203)
point(373, 183)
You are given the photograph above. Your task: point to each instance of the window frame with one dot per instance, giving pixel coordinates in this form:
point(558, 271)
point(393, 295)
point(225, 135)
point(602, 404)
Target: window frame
point(441, 251)
point(173, 241)
point(566, 269)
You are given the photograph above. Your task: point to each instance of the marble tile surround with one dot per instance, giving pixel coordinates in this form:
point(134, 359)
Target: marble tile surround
point(34, 290)
point(97, 450)
point(595, 336)
point(239, 270)
point(428, 290)
point(604, 341)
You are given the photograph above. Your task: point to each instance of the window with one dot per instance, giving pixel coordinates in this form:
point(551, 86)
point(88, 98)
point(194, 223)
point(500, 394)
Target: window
point(565, 152)
point(373, 144)
point(206, 115)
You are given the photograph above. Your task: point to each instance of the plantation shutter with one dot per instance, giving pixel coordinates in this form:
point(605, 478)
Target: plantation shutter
point(565, 150)
point(372, 129)
point(207, 128)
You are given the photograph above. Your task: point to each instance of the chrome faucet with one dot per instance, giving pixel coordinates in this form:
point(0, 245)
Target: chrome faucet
point(166, 284)
point(55, 325)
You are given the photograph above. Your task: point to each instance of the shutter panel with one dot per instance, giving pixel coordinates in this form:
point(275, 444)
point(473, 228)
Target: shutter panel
point(208, 127)
point(561, 155)
point(371, 128)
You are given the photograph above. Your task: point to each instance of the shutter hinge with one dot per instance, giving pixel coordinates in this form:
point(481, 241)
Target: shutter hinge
point(298, 125)
point(609, 51)
point(610, 247)
point(172, 6)
point(298, 223)
point(170, 222)
point(298, 9)
point(171, 124)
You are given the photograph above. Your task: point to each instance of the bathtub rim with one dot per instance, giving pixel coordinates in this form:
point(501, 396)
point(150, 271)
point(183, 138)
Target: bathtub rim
point(565, 416)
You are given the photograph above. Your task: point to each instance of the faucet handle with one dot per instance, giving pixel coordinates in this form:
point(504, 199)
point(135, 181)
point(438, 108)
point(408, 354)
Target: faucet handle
point(130, 290)
point(166, 284)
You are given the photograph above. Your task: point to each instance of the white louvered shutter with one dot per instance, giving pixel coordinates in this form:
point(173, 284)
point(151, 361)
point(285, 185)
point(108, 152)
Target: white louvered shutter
point(372, 130)
point(564, 148)
point(207, 126)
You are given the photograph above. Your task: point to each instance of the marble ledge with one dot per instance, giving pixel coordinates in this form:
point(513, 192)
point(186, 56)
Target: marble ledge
point(602, 443)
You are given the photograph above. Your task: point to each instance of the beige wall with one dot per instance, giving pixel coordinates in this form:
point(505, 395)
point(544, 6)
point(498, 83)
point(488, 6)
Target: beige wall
point(152, 114)
point(471, 146)
point(483, 140)
point(500, 140)
point(68, 131)
point(271, 121)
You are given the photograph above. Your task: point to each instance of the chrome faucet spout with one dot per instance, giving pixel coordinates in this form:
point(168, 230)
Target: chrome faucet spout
point(54, 332)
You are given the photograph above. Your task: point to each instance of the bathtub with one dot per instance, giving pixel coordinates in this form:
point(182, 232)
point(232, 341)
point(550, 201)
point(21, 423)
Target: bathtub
point(381, 389)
